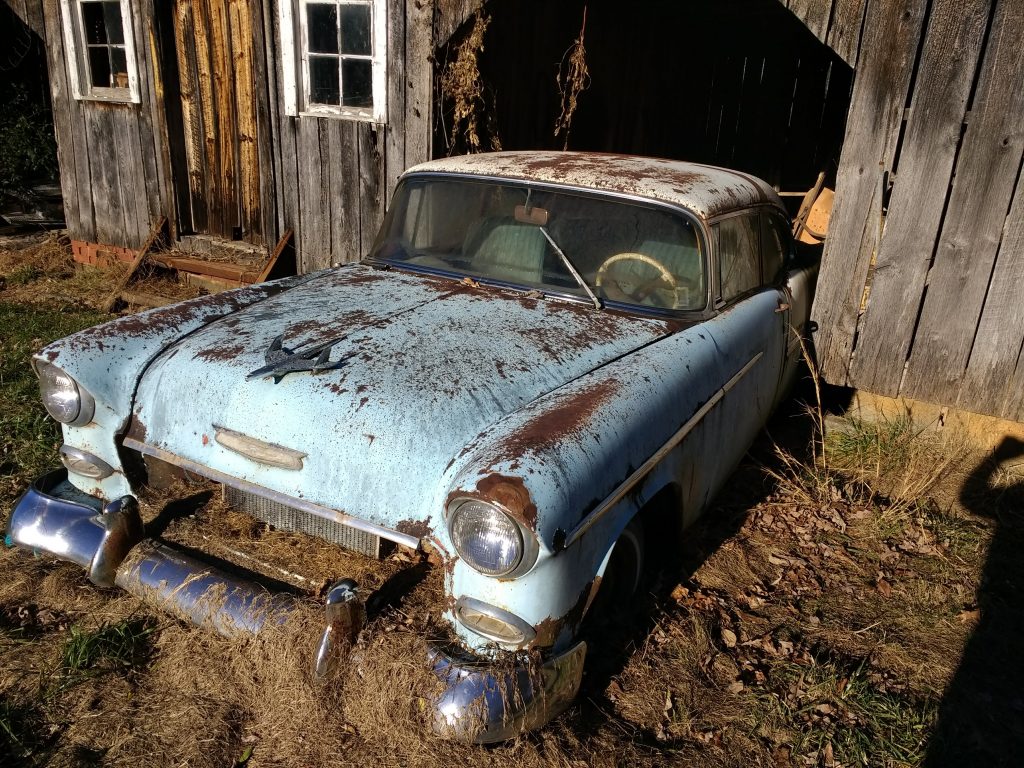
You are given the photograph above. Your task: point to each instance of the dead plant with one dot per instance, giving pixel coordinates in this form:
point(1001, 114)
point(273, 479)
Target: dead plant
point(572, 79)
point(462, 85)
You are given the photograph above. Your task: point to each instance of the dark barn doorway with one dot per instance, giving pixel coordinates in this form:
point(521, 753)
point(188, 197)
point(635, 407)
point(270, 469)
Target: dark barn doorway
point(737, 83)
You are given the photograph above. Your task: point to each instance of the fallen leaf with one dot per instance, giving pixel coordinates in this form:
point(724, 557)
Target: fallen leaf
point(969, 617)
point(736, 687)
point(884, 587)
point(729, 638)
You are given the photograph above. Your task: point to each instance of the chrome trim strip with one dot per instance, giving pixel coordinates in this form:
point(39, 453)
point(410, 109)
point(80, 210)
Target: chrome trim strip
point(69, 452)
point(243, 485)
point(526, 631)
point(627, 485)
point(259, 451)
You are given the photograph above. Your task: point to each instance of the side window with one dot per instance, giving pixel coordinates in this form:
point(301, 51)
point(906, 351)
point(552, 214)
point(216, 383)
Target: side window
point(738, 262)
point(334, 55)
point(101, 54)
point(775, 246)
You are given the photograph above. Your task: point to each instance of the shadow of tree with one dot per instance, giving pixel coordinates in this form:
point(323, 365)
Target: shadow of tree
point(981, 717)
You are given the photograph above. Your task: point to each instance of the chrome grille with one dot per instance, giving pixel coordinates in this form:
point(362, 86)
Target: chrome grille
point(286, 518)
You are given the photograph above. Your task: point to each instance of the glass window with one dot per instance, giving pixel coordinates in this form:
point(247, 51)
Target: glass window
point(342, 58)
point(775, 245)
point(738, 262)
point(626, 253)
point(98, 34)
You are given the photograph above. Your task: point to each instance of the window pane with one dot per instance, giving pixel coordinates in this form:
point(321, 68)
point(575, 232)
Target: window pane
point(738, 255)
point(99, 67)
point(94, 23)
point(119, 67)
point(358, 78)
point(114, 26)
point(355, 30)
point(323, 28)
point(773, 246)
point(323, 80)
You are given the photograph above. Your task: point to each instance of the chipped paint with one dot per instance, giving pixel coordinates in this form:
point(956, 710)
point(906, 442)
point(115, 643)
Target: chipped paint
point(703, 189)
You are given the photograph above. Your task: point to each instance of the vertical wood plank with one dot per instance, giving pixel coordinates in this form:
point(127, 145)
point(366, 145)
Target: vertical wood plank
point(994, 380)
point(204, 83)
point(281, 133)
point(74, 168)
point(986, 173)
point(844, 34)
point(394, 144)
point(348, 190)
point(814, 14)
point(419, 75)
point(223, 83)
point(949, 60)
point(153, 135)
point(313, 214)
point(266, 135)
point(889, 48)
point(245, 99)
point(371, 184)
point(340, 221)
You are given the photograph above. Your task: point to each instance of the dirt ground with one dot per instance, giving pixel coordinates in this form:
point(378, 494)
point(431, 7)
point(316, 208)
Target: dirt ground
point(855, 601)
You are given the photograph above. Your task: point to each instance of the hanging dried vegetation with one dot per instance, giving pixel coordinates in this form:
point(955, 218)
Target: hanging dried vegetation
point(463, 87)
point(572, 79)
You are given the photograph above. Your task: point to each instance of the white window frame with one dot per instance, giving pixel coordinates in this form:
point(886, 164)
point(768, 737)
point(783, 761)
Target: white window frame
point(77, 52)
point(295, 65)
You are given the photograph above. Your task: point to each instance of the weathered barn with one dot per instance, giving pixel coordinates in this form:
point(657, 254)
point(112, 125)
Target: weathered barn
point(244, 120)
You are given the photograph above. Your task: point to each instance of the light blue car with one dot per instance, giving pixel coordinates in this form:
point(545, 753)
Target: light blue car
point(547, 360)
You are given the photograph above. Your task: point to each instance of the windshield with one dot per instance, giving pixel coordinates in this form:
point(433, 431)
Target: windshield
point(624, 251)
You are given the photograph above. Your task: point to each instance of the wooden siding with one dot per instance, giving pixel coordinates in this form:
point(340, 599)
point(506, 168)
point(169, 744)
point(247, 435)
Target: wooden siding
point(837, 23)
point(224, 142)
point(922, 277)
point(335, 176)
point(114, 175)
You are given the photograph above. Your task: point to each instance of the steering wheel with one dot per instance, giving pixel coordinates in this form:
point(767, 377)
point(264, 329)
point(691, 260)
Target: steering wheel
point(639, 292)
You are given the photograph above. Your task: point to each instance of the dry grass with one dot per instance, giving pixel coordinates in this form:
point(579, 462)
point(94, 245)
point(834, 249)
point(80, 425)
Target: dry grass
point(463, 88)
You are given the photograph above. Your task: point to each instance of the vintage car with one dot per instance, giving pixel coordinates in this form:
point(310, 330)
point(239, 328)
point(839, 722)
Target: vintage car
point(547, 360)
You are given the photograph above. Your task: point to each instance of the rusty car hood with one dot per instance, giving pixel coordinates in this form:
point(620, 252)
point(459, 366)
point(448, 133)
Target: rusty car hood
point(416, 367)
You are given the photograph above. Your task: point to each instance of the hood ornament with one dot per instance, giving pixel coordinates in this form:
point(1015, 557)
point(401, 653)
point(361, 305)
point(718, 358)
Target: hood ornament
point(281, 362)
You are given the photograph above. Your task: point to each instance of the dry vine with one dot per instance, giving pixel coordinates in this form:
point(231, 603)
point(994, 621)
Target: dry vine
point(462, 85)
point(573, 82)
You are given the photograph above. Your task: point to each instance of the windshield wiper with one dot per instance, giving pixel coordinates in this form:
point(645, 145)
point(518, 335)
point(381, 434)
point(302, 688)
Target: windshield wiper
point(572, 269)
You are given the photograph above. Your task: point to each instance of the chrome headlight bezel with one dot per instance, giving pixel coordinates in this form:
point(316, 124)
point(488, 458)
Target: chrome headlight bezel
point(48, 374)
point(529, 547)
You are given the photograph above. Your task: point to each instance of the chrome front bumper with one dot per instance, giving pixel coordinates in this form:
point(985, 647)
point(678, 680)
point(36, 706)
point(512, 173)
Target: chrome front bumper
point(481, 702)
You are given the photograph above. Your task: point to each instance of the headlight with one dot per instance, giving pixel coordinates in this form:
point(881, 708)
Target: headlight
point(62, 397)
point(486, 538)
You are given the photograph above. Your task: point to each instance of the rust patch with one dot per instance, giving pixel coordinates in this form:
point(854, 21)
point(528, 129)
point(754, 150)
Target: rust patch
point(220, 354)
point(512, 494)
point(551, 427)
point(419, 528)
point(52, 355)
point(549, 629)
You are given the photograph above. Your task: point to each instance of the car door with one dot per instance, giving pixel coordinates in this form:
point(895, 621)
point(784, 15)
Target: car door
point(749, 335)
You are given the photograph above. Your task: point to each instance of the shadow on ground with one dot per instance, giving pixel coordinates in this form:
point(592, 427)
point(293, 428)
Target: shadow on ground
point(981, 718)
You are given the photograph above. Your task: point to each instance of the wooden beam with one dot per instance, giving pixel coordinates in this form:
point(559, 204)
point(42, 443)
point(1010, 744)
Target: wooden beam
point(272, 261)
point(155, 235)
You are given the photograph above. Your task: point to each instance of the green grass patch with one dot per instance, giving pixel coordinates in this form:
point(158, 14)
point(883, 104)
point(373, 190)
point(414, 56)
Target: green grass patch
point(119, 646)
point(842, 709)
point(28, 436)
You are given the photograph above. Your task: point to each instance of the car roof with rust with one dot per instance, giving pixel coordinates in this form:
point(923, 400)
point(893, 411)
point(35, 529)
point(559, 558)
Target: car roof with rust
point(704, 189)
